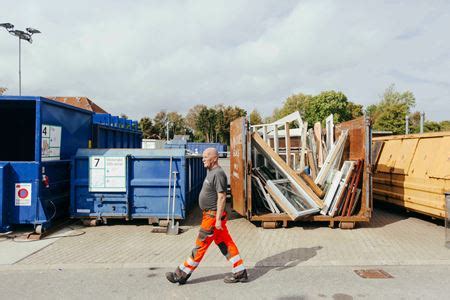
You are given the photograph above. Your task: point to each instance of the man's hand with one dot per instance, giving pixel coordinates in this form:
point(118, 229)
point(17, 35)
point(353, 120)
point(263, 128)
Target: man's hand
point(219, 224)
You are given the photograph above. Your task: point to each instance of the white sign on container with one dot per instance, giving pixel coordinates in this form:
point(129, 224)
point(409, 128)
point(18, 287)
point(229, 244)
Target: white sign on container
point(50, 142)
point(107, 174)
point(22, 194)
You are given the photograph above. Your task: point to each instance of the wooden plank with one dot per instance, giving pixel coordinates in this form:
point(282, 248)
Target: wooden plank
point(281, 203)
point(238, 165)
point(285, 168)
point(266, 139)
point(312, 165)
point(317, 190)
point(413, 136)
point(287, 139)
point(303, 152)
point(271, 217)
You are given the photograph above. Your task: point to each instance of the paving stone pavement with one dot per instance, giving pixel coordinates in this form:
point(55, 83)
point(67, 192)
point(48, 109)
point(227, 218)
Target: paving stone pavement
point(390, 239)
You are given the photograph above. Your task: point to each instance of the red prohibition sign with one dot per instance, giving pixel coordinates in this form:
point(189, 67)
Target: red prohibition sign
point(22, 193)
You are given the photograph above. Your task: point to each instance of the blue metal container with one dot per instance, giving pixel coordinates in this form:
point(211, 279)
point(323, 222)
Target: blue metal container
point(106, 133)
point(176, 144)
point(198, 148)
point(146, 184)
point(4, 224)
point(39, 138)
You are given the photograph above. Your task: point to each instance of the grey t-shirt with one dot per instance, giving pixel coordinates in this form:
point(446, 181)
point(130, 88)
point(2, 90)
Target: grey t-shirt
point(215, 182)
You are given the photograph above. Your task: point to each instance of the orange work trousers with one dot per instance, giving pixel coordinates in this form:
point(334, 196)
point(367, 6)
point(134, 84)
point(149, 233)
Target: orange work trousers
point(206, 235)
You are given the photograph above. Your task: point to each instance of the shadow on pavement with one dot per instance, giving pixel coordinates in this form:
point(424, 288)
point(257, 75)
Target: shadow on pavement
point(279, 262)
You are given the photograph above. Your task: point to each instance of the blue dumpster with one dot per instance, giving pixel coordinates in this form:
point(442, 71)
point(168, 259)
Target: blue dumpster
point(142, 190)
point(198, 148)
point(4, 224)
point(175, 144)
point(109, 134)
point(40, 137)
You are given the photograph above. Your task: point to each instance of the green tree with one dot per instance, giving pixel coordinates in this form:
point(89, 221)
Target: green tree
point(356, 110)
point(431, 126)
point(255, 117)
point(390, 113)
point(177, 124)
point(329, 102)
point(230, 113)
point(317, 108)
point(159, 124)
point(146, 126)
point(445, 125)
point(297, 102)
point(192, 115)
point(206, 124)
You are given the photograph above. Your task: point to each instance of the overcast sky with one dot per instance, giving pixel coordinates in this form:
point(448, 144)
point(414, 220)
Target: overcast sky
point(140, 57)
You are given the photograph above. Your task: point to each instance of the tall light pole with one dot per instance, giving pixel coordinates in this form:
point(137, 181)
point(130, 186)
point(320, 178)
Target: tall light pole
point(22, 35)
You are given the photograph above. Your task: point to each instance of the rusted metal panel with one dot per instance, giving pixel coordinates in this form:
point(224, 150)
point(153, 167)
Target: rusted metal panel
point(419, 177)
point(355, 146)
point(238, 160)
point(359, 143)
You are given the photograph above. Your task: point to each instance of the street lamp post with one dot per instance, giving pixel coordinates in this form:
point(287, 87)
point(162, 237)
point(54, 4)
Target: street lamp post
point(22, 35)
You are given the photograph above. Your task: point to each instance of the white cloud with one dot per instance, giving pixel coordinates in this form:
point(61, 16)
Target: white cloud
point(138, 57)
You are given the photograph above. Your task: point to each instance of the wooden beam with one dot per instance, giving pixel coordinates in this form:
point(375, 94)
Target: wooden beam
point(285, 168)
point(276, 142)
point(317, 190)
point(287, 142)
point(312, 164)
point(303, 145)
point(280, 203)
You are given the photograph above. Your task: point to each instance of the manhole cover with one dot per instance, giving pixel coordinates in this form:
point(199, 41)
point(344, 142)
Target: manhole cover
point(373, 274)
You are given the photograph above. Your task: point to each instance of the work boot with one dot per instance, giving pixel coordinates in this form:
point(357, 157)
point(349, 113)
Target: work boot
point(236, 277)
point(177, 277)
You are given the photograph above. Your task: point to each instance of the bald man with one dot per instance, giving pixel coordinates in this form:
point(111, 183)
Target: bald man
point(212, 201)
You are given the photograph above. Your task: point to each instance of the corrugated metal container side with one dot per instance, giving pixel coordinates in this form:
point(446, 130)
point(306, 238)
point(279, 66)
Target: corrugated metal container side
point(175, 144)
point(198, 148)
point(29, 201)
point(147, 183)
point(109, 133)
point(413, 171)
point(114, 137)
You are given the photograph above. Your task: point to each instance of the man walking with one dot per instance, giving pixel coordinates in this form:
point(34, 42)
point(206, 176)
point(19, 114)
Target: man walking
point(212, 201)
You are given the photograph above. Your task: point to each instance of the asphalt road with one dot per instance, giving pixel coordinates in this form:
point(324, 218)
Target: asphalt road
point(325, 282)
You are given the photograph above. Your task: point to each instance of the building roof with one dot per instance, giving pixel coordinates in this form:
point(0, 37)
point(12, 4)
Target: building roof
point(80, 102)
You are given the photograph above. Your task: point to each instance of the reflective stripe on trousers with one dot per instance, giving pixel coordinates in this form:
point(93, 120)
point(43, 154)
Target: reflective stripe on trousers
point(223, 240)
